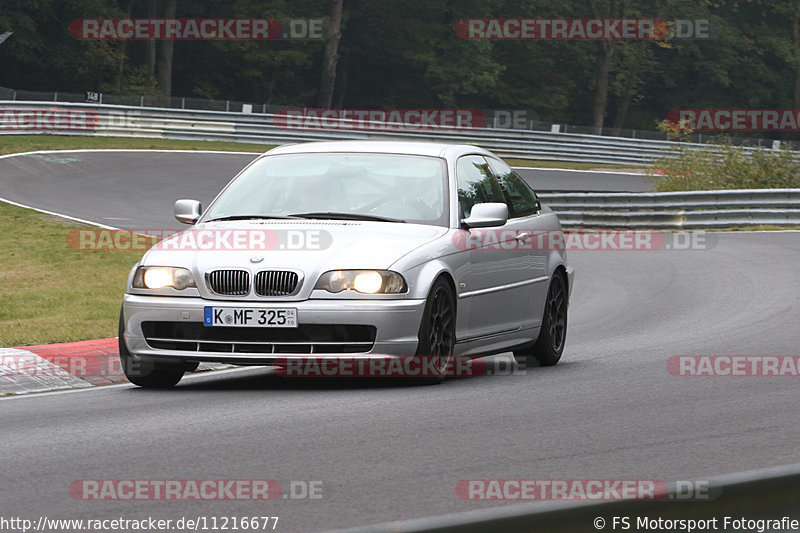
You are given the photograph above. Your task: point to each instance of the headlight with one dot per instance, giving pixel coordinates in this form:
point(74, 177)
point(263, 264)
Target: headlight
point(364, 281)
point(160, 277)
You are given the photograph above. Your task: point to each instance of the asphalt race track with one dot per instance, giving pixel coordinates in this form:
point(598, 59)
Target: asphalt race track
point(122, 189)
point(385, 450)
point(137, 190)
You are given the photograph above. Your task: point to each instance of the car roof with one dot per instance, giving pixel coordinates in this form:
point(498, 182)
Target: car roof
point(386, 147)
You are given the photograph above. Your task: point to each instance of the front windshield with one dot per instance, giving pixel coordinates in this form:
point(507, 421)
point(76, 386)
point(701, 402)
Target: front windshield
point(397, 187)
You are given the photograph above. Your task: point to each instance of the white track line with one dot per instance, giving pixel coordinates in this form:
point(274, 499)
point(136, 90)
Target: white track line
point(52, 213)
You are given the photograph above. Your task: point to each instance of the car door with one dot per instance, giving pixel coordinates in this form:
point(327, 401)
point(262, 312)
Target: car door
point(494, 264)
point(535, 241)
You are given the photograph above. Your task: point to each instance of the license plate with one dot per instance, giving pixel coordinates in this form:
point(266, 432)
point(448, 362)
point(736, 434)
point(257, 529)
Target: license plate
point(284, 317)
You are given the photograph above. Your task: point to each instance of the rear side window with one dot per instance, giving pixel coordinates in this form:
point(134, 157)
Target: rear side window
point(522, 198)
point(476, 184)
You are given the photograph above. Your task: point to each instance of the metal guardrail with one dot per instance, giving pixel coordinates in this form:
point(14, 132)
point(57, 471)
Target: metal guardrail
point(118, 120)
point(495, 118)
point(677, 210)
point(769, 494)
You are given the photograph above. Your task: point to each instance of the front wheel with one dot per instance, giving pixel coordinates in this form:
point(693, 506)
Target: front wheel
point(146, 372)
point(437, 332)
point(550, 345)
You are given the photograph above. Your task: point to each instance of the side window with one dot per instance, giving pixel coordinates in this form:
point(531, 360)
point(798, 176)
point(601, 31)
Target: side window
point(523, 199)
point(476, 183)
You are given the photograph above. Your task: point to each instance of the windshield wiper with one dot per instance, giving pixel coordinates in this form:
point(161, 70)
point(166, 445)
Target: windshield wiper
point(249, 217)
point(345, 216)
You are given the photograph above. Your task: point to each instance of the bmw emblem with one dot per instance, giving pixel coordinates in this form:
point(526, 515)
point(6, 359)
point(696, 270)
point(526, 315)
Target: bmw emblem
point(256, 259)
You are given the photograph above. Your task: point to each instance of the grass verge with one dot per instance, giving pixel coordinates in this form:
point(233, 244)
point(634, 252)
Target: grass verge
point(51, 292)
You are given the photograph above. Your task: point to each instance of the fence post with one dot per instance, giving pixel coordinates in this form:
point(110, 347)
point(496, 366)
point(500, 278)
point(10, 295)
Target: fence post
point(55, 96)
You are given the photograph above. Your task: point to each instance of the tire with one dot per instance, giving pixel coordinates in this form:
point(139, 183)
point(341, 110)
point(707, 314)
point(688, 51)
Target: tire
point(437, 331)
point(553, 334)
point(145, 372)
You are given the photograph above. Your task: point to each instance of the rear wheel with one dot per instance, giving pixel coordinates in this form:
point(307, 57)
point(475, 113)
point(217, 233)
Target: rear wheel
point(437, 332)
point(550, 345)
point(145, 372)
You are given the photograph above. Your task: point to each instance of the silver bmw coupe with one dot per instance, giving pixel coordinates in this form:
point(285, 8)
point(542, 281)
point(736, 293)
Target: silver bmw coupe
point(356, 250)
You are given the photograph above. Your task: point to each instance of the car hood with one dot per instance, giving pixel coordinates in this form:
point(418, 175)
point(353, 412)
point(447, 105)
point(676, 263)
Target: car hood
point(313, 246)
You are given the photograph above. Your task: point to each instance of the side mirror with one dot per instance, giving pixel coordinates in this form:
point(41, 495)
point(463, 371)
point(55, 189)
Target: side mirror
point(487, 215)
point(187, 211)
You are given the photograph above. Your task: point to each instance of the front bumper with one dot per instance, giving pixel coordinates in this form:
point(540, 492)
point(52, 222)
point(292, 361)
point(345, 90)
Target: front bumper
point(396, 321)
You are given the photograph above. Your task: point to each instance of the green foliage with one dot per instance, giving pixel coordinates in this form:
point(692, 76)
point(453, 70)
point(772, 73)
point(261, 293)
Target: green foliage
point(726, 167)
point(406, 54)
point(134, 81)
point(676, 131)
point(41, 55)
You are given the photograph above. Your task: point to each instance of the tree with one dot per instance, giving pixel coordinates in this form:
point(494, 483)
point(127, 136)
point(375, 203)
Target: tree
point(331, 58)
point(607, 49)
point(151, 44)
point(167, 51)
